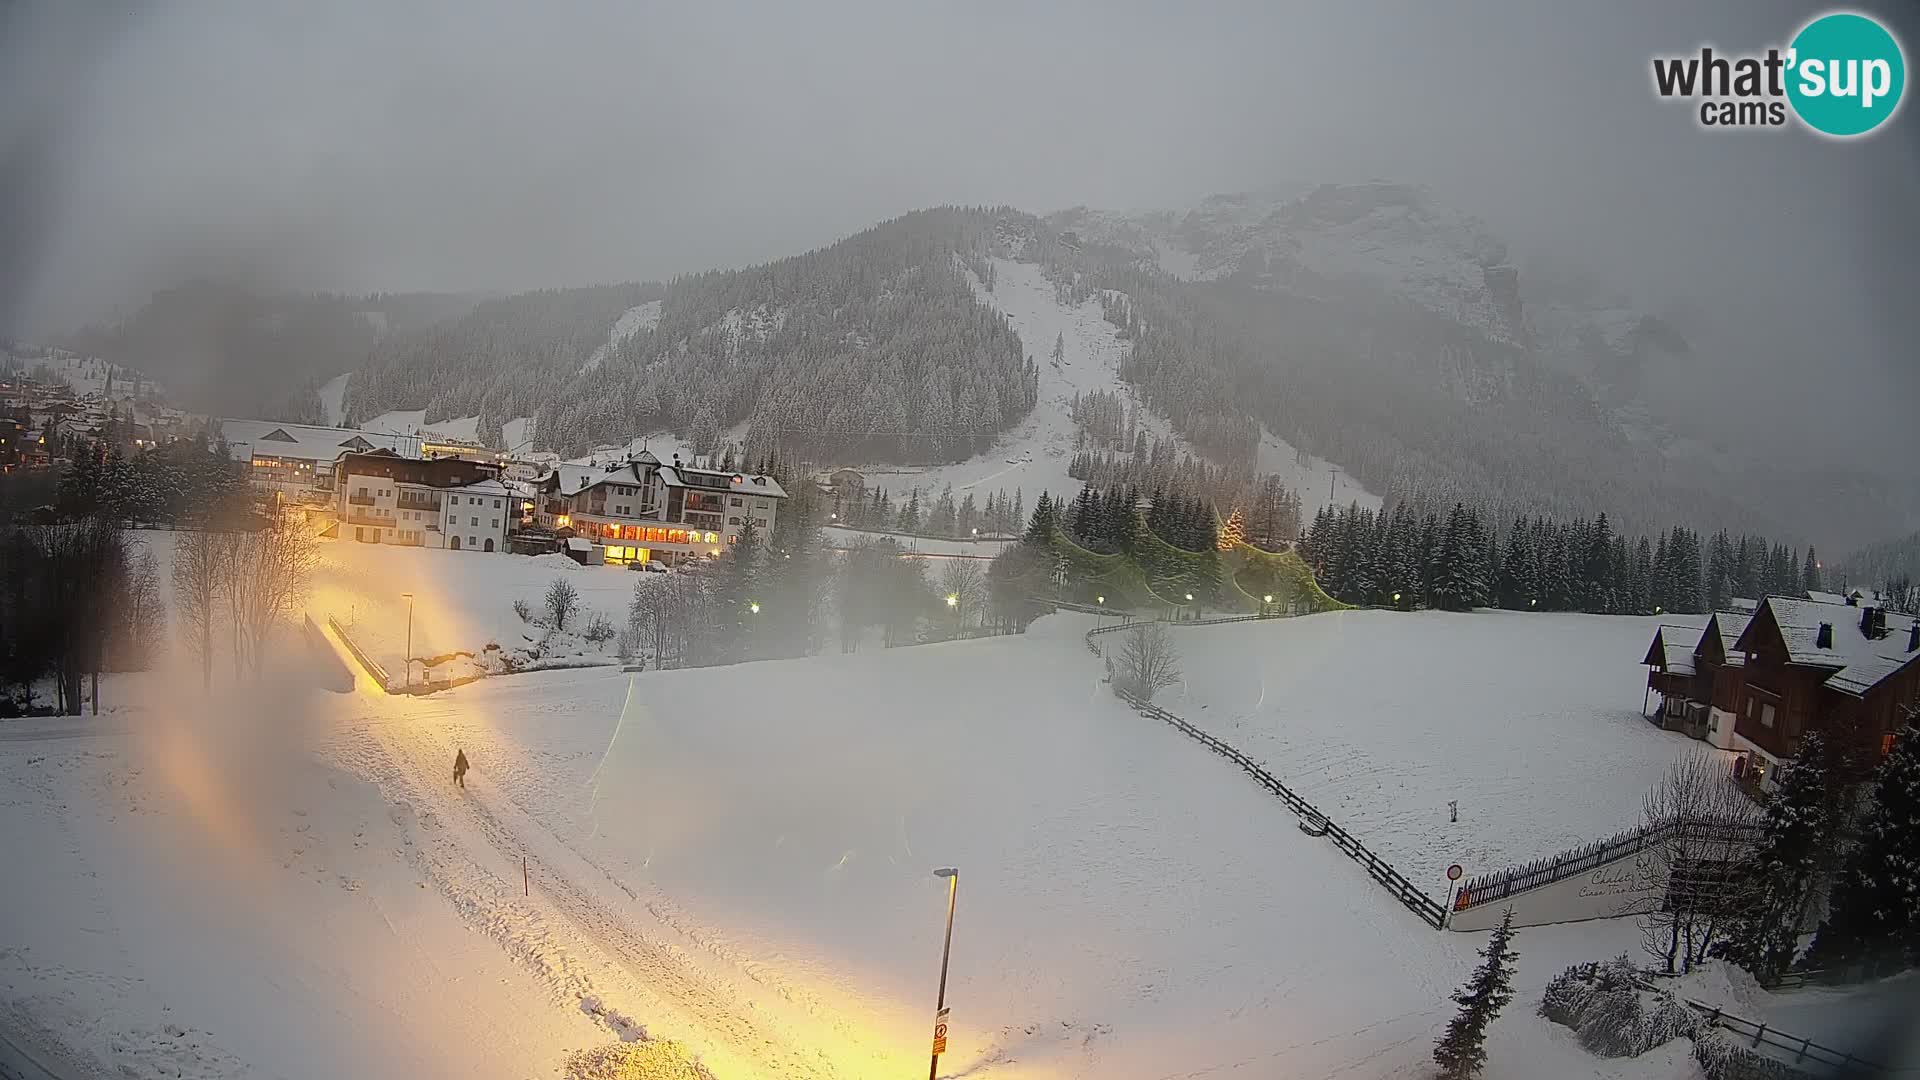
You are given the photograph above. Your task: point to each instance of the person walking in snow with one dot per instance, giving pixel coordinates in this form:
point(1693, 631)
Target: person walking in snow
point(460, 767)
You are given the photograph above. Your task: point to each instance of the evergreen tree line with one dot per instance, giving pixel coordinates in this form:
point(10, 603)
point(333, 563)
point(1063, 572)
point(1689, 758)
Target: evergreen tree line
point(182, 482)
point(1458, 561)
point(1270, 509)
point(999, 515)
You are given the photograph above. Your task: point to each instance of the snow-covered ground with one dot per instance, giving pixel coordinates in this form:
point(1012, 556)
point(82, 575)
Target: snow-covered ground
point(1531, 722)
point(737, 860)
point(413, 422)
point(463, 601)
point(333, 399)
point(1034, 455)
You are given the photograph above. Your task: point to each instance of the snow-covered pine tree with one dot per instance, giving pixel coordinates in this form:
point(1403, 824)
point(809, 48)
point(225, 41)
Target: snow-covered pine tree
point(1810, 572)
point(1778, 880)
point(1040, 528)
point(1462, 1051)
point(1873, 917)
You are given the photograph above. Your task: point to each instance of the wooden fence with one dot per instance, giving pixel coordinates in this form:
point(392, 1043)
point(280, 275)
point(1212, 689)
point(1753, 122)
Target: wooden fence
point(1429, 910)
point(1502, 884)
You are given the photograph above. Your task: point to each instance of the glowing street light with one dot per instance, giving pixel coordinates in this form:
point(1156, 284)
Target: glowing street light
point(409, 597)
point(1396, 599)
point(1100, 600)
point(946, 953)
point(753, 606)
point(1189, 597)
point(1267, 599)
point(953, 600)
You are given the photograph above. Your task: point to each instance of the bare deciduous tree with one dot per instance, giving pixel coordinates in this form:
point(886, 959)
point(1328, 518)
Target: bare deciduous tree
point(562, 601)
point(1702, 825)
point(197, 578)
point(966, 583)
point(265, 573)
point(1148, 660)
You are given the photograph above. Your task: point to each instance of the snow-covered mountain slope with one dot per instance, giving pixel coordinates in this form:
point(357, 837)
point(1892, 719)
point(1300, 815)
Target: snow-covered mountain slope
point(635, 319)
point(1034, 455)
point(1392, 240)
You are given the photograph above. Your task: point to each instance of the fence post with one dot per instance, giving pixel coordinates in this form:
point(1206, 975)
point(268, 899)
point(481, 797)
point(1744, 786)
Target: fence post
point(1757, 1033)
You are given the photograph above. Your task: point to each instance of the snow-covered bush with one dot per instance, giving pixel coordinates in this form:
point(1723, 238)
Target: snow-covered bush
point(599, 629)
point(1605, 1004)
point(1720, 1058)
point(521, 609)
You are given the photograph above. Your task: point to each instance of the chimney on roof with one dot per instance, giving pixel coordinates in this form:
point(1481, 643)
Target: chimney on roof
point(1873, 623)
point(1853, 598)
point(1823, 638)
point(1913, 636)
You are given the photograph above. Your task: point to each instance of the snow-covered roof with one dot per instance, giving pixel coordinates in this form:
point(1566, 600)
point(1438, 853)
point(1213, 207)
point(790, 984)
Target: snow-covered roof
point(309, 442)
point(1862, 661)
point(750, 483)
point(1730, 625)
point(1677, 645)
point(488, 486)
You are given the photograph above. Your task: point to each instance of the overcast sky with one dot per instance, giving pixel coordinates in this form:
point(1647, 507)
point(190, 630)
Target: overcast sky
point(478, 145)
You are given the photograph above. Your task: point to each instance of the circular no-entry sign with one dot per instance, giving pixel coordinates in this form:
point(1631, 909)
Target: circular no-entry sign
point(1454, 872)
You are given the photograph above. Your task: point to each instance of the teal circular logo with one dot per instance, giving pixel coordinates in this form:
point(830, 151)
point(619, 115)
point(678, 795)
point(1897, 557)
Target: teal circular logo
point(1846, 74)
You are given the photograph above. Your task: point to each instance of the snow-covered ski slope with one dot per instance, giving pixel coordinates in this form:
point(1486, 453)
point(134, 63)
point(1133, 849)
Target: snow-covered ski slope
point(635, 319)
point(1034, 455)
point(333, 399)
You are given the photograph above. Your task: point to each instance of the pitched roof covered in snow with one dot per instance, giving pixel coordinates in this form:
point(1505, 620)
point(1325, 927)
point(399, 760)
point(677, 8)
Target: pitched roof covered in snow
point(308, 442)
point(1834, 636)
point(1728, 625)
point(1673, 648)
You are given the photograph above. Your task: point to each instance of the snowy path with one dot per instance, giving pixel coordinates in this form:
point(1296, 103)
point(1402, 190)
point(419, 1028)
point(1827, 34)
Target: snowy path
point(595, 951)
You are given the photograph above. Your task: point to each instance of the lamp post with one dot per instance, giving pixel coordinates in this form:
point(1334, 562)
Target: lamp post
point(409, 597)
point(952, 875)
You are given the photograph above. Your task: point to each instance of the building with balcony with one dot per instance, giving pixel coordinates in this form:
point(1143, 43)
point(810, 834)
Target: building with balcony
point(453, 503)
point(640, 510)
point(294, 458)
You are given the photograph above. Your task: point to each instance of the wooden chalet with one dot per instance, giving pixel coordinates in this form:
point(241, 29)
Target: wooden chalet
point(1698, 675)
point(1848, 670)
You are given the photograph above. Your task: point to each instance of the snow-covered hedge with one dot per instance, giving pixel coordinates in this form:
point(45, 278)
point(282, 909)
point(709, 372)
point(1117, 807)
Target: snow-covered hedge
point(1605, 1005)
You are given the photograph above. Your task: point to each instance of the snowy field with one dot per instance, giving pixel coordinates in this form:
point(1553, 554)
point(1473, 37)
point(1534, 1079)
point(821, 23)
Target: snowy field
point(1033, 456)
point(1530, 721)
point(1128, 907)
point(462, 599)
point(733, 864)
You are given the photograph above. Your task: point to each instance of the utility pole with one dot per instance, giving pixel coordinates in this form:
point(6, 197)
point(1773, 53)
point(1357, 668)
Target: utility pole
point(409, 597)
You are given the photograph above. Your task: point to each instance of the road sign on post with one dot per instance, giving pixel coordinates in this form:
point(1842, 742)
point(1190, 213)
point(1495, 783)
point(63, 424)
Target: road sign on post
point(940, 1033)
point(1454, 872)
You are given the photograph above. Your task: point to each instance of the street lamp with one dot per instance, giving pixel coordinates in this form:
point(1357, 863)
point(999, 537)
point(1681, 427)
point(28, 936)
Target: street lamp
point(1396, 599)
point(409, 597)
point(946, 952)
point(753, 606)
point(953, 600)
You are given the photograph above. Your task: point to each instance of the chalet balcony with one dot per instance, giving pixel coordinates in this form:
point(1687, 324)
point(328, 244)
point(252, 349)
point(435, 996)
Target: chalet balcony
point(432, 505)
point(360, 500)
point(369, 519)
